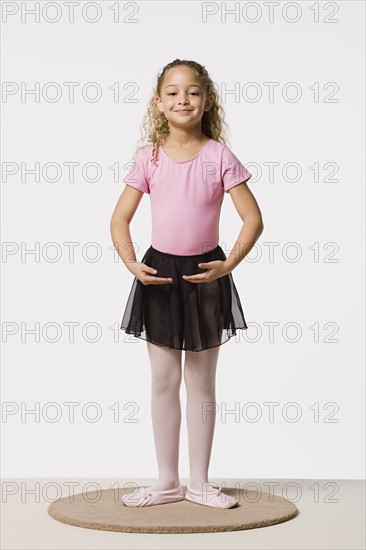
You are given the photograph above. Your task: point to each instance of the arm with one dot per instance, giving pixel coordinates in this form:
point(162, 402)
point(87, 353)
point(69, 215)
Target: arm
point(120, 232)
point(120, 224)
point(248, 209)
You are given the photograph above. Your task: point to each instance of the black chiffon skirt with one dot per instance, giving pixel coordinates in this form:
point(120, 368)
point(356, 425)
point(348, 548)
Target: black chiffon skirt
point(183, 315)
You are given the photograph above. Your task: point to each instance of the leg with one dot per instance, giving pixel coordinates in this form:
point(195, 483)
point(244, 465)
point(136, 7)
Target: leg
point(200, 378)
point(166, 373)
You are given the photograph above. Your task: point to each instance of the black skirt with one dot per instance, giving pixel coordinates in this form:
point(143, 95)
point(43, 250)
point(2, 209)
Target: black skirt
point(183, 315)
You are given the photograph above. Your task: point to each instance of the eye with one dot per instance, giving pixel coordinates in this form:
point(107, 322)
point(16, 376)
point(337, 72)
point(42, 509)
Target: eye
point(173, 93)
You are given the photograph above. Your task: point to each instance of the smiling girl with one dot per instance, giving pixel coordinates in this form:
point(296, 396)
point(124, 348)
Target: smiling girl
point(183, 296)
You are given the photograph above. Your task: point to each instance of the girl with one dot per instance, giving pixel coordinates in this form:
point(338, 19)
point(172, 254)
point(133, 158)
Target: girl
point(183, 296)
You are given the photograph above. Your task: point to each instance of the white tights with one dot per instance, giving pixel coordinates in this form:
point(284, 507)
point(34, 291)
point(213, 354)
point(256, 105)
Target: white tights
point(199, 378)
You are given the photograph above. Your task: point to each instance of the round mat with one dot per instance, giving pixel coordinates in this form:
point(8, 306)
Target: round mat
point(103, 510)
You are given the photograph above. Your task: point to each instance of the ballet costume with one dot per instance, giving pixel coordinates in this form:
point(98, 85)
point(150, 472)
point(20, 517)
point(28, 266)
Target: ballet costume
point(185, 198)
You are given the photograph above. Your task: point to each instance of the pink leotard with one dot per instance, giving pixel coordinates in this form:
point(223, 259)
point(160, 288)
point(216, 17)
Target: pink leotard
point(186, 195)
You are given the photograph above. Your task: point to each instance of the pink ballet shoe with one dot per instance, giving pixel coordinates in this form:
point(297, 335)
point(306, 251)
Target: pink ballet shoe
point(146, 496)
point(216, 498)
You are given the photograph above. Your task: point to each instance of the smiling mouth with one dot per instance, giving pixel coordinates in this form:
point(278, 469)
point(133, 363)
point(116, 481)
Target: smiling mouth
point(184, 111)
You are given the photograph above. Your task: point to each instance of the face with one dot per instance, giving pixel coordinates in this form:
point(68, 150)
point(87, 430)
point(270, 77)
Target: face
point(183, 100)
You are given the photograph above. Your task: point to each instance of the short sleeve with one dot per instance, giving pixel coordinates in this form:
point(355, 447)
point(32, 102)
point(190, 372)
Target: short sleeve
point(233, 171)
point(138, 175)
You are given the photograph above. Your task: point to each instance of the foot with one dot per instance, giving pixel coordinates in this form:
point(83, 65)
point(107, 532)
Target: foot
point(148, 496)
point(210, 496)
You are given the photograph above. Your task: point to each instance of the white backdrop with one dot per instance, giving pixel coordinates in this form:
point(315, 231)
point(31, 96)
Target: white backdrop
point(292, 87)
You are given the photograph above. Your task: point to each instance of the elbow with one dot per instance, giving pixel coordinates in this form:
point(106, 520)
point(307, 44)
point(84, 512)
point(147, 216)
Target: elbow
point(259, 223)
point(256, 221)
point(118, 221)
point(261, 226)
point(256, 224)
point(112, 224)
point(116, 224)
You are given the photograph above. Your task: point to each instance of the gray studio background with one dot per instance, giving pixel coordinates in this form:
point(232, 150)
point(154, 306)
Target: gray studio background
point(301, 286)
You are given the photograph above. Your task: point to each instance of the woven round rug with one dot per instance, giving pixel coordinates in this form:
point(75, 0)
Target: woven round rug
point(103, 510)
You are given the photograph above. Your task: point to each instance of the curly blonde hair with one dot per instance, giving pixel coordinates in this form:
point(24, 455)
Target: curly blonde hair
point(155, 128)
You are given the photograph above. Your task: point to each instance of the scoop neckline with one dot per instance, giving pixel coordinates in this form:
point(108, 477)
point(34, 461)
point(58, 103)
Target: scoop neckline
point(187, 160)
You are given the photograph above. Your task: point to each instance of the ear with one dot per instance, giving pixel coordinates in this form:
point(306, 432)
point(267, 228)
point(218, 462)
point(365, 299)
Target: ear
point(158, 103)
point(209, 102)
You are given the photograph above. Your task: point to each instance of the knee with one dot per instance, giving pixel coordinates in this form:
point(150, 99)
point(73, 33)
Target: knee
point(166, 382)
point(202, 379)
